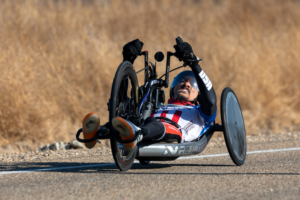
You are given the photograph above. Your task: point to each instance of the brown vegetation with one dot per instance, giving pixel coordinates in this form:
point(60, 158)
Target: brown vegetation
point(58, 58)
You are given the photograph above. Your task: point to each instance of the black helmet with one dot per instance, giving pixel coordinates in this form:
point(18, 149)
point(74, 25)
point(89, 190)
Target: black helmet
point(181, 77)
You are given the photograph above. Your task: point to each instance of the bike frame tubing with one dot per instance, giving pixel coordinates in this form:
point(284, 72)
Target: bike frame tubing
point(145, 53)
point(144, 98)
point(150, 83)
point(166, 83)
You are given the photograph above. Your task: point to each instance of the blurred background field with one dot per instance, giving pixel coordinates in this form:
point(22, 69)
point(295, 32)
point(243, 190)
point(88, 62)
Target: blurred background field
point(58, 58)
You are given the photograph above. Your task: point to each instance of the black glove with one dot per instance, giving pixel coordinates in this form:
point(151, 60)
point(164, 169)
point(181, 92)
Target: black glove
point(184, 52)
point(131, 50)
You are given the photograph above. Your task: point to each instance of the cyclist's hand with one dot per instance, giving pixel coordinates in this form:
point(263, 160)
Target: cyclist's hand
point(131, 50)
point(184, 52)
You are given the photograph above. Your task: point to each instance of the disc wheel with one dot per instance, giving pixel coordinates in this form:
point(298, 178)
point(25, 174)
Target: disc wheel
point(233, 127)
point(123, 103)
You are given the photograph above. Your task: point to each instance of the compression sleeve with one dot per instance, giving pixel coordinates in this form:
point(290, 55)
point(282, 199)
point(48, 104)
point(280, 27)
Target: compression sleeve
point(208, 100)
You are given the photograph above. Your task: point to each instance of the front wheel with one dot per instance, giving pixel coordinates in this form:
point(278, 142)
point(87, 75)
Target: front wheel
point(123, 102)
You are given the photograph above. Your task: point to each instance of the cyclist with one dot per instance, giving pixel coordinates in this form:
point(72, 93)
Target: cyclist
point(187, 115)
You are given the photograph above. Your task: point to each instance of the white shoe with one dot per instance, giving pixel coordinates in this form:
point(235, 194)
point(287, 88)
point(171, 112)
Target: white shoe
point(90, 126)
point(127, 130)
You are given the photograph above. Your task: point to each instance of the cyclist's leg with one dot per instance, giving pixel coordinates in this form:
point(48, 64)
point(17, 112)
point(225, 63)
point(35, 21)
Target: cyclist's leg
point(172, 133)
point(160, 131)
point(153, 129)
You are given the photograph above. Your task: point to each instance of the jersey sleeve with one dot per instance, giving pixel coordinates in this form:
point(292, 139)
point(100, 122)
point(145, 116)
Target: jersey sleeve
point(208, 100)
point(207, 119)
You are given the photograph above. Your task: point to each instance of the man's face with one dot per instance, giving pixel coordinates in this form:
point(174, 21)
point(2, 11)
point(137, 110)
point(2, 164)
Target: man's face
point(184, 91)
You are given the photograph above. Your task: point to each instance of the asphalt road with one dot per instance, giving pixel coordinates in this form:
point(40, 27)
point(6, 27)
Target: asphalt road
point(265, 175)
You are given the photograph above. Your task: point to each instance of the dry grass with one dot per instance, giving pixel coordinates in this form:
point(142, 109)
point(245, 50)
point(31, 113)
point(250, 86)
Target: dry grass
point(58, 59)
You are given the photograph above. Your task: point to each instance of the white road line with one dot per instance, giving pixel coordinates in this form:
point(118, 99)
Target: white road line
point(250, 152)
point(113, 164)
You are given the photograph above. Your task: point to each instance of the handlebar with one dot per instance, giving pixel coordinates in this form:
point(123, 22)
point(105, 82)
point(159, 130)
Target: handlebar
point(145, 53)
point(166, 83)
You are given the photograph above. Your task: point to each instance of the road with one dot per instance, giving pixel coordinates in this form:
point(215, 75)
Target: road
point(265, 175)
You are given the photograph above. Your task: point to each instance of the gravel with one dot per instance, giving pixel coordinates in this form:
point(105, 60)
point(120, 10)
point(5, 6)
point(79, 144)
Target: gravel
point(50, 155)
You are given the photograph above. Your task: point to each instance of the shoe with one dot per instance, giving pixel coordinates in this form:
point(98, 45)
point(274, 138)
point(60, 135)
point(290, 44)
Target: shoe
point(127, 130)
point(90, 126)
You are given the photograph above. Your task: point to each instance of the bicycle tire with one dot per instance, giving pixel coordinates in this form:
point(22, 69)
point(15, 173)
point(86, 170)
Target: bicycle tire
point(124, 71)
point(233, 126)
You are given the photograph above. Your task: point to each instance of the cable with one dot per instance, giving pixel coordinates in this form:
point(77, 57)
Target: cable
point(142, 69)
point(171, 71)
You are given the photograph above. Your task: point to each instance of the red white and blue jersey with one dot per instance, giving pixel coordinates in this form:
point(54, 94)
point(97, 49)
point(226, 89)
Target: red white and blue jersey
point(192, 121)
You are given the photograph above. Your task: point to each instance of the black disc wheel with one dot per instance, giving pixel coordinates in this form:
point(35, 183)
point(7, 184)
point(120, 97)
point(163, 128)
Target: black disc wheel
point(233, 126)
point(144, 162)
point(123, 103)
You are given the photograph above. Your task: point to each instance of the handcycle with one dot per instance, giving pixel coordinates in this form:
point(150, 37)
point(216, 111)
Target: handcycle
point(135, 104)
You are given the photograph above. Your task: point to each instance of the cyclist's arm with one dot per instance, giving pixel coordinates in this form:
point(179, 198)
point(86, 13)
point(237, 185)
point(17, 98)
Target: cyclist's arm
point(208, 104)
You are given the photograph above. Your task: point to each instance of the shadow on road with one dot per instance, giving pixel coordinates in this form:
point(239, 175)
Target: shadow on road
point(72, 167)
point(88, 167)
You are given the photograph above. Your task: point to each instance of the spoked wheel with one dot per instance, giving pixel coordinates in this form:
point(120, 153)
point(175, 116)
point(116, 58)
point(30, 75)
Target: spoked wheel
point(123, 103)
point(233, 126)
